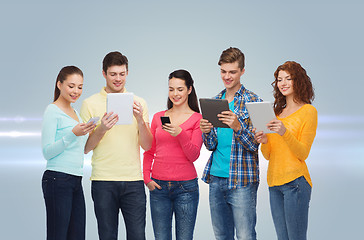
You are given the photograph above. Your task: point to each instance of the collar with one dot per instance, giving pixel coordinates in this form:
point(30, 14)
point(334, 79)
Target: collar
point(240, 92)
point(104, 93)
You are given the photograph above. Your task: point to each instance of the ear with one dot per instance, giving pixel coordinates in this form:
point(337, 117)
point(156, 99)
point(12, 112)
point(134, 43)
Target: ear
point(242, 72)
point(104, 74)
point(59, 85)
point(189, 90)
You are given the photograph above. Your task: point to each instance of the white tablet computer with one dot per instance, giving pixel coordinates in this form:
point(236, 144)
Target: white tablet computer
point(260, 114)
point(211, 107)
point(122, 105)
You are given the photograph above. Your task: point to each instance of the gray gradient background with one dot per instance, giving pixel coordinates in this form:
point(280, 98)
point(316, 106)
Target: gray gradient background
point(39, 38)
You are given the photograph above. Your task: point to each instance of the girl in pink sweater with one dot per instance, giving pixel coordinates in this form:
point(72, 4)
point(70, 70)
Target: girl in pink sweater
point(168, 168)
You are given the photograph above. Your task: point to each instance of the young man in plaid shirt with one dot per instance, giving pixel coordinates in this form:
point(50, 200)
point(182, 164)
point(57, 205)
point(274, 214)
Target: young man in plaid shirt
point(233, 168)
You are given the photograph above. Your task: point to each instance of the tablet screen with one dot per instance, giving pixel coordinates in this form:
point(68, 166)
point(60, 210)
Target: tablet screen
point(211, 107)
point(260, 114)
point(122, 105)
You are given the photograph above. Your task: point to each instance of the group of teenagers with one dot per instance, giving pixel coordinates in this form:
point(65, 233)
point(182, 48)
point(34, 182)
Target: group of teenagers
point(170, 150)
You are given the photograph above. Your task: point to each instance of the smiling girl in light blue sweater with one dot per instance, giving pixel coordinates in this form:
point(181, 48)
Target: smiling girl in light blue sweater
point(63, 141)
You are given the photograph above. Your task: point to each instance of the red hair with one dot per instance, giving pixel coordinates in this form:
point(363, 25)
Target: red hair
point(302, 86)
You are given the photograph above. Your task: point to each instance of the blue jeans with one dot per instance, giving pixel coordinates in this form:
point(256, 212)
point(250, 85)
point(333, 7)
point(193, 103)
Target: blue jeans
point(112, 196)
point(232, 209)
point(180, 198)
point(65, 206)
point(289, 206)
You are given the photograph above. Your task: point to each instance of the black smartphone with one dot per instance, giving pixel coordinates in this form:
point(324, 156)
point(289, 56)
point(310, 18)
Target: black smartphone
point(165, 119)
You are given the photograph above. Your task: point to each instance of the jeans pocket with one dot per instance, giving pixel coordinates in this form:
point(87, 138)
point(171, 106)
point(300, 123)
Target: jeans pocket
point(189, 186)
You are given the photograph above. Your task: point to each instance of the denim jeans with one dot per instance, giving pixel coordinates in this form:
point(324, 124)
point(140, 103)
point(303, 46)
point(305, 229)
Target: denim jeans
point(289, 205)
point(180, 198)
point(112, 196)
point(232, 209)
point(65, 206)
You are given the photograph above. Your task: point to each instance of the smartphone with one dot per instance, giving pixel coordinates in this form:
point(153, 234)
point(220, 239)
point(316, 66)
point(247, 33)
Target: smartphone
point(165, 119)
point(93, 120)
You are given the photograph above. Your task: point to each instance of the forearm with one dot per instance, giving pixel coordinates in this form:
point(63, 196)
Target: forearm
point(300, 149)
point(246, 139)
point(190, 147)
point(94, 139)
point(147, 166)
point(265, 148)
point(50, 150)
point(210, 140)
point(145, 135)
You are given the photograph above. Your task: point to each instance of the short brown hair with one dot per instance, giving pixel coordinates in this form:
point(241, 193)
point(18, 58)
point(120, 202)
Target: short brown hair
point(114, 59)
point(232, 55)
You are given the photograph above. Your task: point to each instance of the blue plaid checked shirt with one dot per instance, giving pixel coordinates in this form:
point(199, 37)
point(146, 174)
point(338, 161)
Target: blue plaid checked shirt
point(244, 162)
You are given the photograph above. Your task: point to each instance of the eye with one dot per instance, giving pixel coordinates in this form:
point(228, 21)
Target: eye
point(70, 86)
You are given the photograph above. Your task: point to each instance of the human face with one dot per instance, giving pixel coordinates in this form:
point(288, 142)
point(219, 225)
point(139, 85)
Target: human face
point(115, 78)
point(230, 75)
point(285, 83)
point(178, 92)
point(71, 88)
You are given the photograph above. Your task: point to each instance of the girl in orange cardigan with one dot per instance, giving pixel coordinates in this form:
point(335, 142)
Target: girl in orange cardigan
point(287, 149)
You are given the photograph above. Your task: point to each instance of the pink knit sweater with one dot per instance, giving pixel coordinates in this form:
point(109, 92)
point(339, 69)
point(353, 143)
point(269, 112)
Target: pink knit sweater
point(171, 158)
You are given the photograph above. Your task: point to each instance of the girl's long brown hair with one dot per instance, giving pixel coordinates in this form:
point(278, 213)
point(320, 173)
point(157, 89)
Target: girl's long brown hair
point(302, 86)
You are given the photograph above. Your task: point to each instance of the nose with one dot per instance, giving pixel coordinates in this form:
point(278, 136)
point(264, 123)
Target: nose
point(227, 75)
point(175, 92)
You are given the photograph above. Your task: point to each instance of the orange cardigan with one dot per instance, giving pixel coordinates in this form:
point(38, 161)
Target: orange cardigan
point(287, 153)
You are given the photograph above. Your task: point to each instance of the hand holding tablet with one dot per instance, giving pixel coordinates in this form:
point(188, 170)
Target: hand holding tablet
point(260, 113)
point(210, 108)
point(122, 105)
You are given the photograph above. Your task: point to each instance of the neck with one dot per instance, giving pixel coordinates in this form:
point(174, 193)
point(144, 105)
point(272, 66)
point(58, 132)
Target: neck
point(181, 108)
point(290, 102)
point(230, 92)
point(60, 102)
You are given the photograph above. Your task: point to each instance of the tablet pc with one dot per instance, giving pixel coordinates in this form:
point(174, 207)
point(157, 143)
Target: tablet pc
point(260, 114)
point(211, 107)
point(122, 105)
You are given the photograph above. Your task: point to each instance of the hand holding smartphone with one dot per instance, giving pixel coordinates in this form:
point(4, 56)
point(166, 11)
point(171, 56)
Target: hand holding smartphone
point(165, 119)
point(93, 120)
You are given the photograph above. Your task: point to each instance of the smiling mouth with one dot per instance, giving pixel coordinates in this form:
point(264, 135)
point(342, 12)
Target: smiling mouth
point(228, 81)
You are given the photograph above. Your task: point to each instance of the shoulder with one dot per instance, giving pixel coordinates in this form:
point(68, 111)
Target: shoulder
point(93, 98)
point(159, 114)
point(52, 113)
point(139, 99)
point(309, 109)
point(250, 96)
point(51, 109)
point(196, 116)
